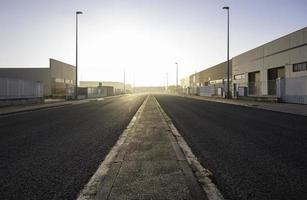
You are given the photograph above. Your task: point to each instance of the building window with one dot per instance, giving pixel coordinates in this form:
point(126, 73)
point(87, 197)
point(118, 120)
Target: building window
point(59, 80)
point(216, 81)
point(68, 81)
point(300, 67)
point(239, 76)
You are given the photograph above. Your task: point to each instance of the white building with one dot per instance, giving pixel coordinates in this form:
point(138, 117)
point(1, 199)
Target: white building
point(278, 68)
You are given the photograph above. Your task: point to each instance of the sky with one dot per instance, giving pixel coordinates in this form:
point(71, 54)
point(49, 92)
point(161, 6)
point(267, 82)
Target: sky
point(144, 38)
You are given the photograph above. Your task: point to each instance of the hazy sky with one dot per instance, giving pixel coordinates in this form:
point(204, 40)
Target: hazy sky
point(146, 37)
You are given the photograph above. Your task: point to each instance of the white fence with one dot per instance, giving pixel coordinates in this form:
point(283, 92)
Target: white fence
point(289, 90)
point(211, 90)
point(20, 89)
point(292, 90)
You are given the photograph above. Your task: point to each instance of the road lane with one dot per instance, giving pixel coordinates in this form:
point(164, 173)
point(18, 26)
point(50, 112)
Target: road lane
point(253, 153)
point(51, 154)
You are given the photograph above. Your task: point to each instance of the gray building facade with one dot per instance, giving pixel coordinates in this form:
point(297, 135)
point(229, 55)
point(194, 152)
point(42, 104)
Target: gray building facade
point(58, 80)
point(211, 81)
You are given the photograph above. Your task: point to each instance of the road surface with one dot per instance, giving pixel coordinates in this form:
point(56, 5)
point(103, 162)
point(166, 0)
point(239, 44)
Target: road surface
point(253, 153)
point(51, 154)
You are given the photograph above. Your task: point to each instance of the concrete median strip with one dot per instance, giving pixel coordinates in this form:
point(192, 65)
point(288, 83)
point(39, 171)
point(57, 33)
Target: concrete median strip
point(91, 189)
point(150, 161)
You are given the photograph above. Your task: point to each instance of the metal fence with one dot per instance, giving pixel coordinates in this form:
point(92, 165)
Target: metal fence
point(256, 88)
point(290, 89)
point(212, 90)
point(94, 92)
point(19, 89)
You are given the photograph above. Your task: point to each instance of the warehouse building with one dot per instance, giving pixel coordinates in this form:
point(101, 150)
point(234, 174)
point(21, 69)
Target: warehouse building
point(276, 69)
point(58, 80)
point(94, 92)
point(211, 81)
point(118, 87)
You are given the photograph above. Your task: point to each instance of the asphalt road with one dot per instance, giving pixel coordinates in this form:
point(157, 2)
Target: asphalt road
point(253, 153)
point(51, 154)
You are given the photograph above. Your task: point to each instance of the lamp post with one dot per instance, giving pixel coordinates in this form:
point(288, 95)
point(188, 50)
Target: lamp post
point(166, 82)
point(228, 87)
point(124, 81)
point(176, 77)
point(76, 92)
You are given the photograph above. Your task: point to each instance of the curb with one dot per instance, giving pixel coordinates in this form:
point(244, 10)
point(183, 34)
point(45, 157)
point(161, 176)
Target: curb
point(202, 174)
point(33, 109)
point(58, 104)
point(248, 104)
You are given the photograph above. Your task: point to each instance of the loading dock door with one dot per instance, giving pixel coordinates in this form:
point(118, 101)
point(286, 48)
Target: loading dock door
point(254, 83)
point(273, 74)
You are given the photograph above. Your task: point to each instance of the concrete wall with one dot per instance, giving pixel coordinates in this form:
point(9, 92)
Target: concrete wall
point(62, 70)
point(63, 77)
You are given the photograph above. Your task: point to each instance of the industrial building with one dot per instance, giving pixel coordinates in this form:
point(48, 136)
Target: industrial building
point(209, 82)
point(277, 68)
point(93, 92)
point(58, 80)
point(274, 71)
point(119, 88)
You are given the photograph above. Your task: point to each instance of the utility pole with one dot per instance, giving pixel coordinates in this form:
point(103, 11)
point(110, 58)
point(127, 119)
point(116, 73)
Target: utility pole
point(76, 92)
point(228, 72)
point(133, 83)
point(166, 82)
point(124, 81)
point(176, 77)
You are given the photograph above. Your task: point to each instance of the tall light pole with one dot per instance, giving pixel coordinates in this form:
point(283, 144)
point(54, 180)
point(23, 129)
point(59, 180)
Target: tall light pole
point(124, 80)
point(228, 88)
point(133, 83)
point(166, 82)
point(76, 91)
point(176, 76)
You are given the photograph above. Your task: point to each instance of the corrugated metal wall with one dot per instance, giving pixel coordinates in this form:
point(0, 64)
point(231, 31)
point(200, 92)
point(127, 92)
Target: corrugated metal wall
point(18, 89)
point(292, 90)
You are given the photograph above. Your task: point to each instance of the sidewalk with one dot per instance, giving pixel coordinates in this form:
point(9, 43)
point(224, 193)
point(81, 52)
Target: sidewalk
point(146, 163)
point(31, 107)
point(297, 109)
point(48, 103)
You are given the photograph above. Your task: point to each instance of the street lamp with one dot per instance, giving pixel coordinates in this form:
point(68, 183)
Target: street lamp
point(124, 81)
point(176, 76)
point(76, 92)
point(228, 88)
point(166, 82)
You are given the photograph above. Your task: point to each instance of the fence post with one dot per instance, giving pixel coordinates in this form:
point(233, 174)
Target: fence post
point(280, 87)
point(7, 87)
